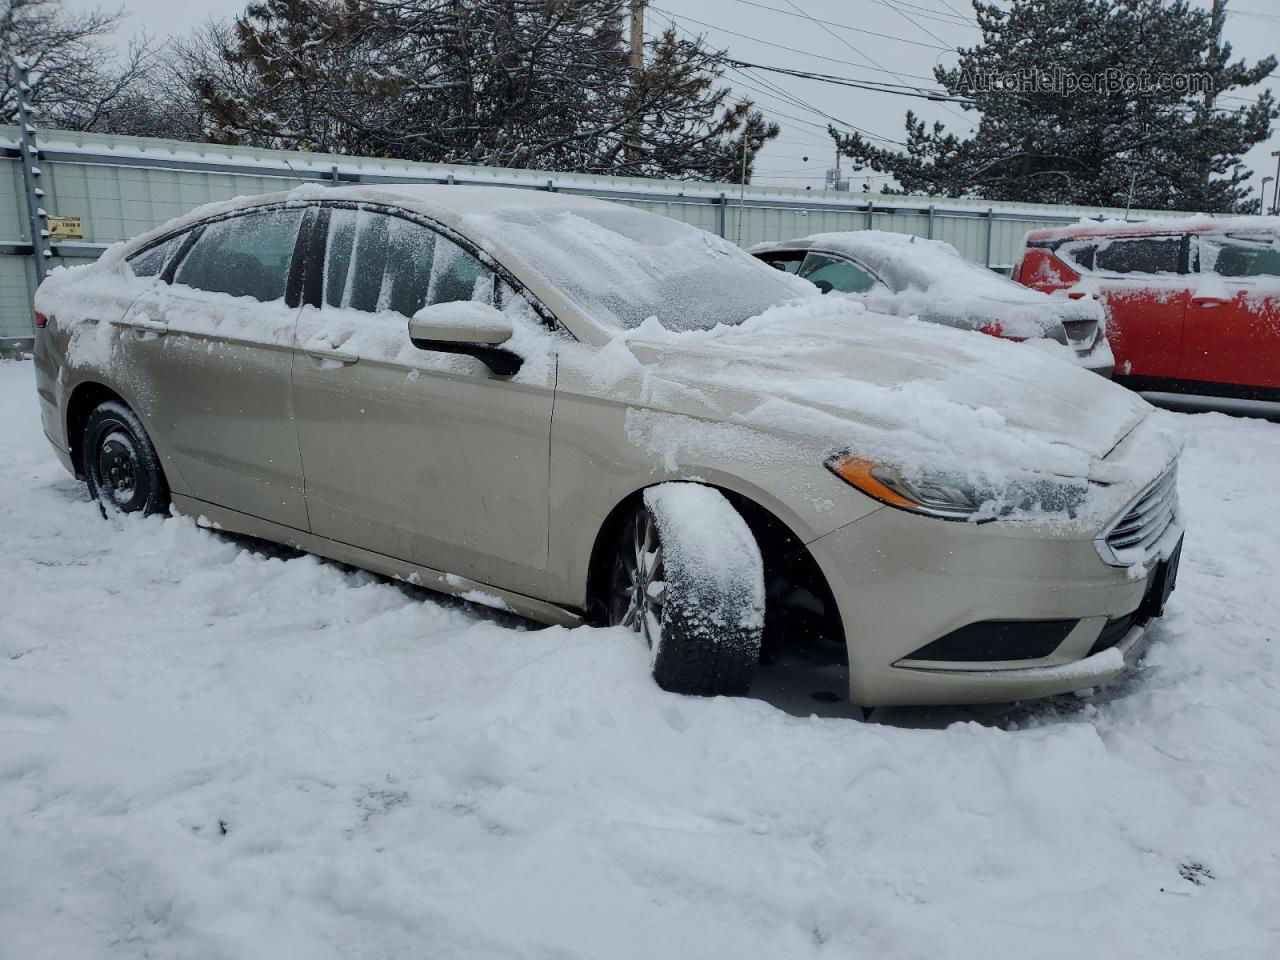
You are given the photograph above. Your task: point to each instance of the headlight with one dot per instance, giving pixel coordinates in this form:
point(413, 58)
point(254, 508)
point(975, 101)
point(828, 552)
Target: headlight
point(956, 497)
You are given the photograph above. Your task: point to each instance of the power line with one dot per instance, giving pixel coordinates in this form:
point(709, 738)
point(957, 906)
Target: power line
point(769, 43)
point(830, 32)
point(844, 26)
point(899, 90)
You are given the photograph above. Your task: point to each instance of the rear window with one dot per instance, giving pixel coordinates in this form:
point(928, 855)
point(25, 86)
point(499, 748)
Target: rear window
point(1122, 255)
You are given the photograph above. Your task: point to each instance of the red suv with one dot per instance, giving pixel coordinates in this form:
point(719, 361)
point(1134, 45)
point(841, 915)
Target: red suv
point(1193, 305)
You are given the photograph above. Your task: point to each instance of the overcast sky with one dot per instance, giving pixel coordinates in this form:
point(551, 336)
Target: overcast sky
point(896, 41)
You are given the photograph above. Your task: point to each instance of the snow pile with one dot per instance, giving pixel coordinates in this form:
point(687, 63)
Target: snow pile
point(209, 748)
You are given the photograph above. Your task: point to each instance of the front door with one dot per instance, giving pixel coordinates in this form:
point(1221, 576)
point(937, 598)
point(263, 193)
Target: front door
point(427, 457)
point(1142, 282)
point(1232, 337)
point(210, 355)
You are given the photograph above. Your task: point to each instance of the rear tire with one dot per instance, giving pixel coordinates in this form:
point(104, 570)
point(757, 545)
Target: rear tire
point(121, 465)
point(703, 620)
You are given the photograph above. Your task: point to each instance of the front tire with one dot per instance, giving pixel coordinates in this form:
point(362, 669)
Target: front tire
point(688, 577)
point(121, 465)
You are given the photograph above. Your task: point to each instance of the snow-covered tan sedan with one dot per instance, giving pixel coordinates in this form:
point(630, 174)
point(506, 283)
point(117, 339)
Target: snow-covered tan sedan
point(904, 275)
point(583, 412)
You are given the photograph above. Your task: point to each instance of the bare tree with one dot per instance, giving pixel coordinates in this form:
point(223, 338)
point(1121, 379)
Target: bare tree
point(76, 82)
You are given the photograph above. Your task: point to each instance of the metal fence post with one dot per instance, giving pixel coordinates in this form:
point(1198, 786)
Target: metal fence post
point(991, 219)
point(29, 155)
point(929, 235)
point(720, 214)
point(871, 210)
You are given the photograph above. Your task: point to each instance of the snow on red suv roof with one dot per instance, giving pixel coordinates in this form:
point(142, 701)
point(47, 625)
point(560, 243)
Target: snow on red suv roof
point(1199, 223)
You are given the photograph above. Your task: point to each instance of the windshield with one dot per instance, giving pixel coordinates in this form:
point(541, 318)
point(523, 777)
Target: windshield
point(622, 266)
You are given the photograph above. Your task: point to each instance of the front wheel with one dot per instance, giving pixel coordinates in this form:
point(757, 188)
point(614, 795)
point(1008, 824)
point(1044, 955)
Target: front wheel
point(688, 577)
point(121, 465)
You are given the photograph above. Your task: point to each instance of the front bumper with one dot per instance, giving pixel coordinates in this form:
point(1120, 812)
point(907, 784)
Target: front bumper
point(901, 581)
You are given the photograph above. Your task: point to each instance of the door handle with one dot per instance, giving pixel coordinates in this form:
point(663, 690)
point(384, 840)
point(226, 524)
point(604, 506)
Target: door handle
point(1207, 301)
point(346, 359)
point(158, 327)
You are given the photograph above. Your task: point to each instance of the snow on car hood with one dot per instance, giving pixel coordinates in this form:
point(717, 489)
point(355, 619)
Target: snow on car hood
point(920, 397)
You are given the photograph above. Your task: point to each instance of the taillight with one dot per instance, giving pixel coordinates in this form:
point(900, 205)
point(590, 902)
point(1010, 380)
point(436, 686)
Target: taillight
point(41, 320)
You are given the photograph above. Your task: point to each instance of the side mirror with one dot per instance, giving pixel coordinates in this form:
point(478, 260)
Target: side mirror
point(823, 285)
point(468, 327)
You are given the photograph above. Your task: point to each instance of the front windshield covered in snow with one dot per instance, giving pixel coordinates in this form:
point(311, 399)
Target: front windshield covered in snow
point(622, 266)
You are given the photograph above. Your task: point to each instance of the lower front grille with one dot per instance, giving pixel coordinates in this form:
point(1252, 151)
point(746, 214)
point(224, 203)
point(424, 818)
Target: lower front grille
point(1134, 536)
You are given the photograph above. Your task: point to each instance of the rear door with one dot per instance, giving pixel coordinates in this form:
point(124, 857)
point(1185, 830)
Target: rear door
point(1143, 283)
point(210, 356)
point(427, 457)
point(1232, 337)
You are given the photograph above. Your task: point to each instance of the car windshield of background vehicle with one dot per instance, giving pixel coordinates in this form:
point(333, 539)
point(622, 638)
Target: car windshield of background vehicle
point(622, 266)
point(1240, 254)
point(1137, 255)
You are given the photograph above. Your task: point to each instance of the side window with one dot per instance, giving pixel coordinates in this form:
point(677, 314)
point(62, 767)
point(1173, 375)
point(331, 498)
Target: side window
point(376, 262)
point(245, 256)
point(1239, 255)
point(833, 273)
point(1078, 255)
point(1138, 255)
point(150, 262)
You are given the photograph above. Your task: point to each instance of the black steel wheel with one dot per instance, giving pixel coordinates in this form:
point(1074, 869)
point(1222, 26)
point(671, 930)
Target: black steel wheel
point(121, 465)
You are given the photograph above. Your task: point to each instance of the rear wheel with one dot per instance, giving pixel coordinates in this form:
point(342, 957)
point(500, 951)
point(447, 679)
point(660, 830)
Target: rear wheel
point(121, 465)
point(701, 620)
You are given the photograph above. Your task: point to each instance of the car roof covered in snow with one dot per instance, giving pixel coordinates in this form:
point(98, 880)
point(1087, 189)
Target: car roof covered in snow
point(1161, 226)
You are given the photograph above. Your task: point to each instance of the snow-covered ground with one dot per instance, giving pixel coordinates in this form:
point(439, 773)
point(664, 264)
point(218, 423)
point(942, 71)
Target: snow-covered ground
point(209, 749)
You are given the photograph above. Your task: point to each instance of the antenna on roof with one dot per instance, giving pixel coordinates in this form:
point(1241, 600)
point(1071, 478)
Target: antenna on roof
point(295, 173)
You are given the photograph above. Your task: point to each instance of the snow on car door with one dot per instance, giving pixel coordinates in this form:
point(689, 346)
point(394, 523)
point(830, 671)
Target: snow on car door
point(423, 456)
point(210, 356)
point(1233, 322)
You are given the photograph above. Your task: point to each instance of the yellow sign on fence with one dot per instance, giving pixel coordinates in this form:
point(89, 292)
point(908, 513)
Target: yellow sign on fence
point(65, 228)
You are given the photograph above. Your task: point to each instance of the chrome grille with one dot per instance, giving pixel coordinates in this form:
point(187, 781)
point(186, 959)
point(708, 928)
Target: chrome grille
point(1134, 535)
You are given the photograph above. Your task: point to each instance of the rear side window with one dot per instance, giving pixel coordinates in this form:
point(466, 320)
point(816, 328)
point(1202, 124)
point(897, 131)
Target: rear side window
point(246, 256)
point(1239, 255)
point(151, 261)
point(835, 273)
point(376, 262)
point(1138, 255)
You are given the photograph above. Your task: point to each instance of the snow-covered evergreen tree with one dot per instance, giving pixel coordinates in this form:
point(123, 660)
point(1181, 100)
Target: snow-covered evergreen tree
point(521, 83)
point(1087, 131)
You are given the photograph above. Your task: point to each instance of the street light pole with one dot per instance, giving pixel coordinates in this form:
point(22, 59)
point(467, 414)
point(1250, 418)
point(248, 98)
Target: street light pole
point(1262, 195)
point(1275, 200)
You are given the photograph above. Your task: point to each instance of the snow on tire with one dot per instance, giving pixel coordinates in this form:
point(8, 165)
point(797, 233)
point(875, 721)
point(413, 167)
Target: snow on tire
point(712, 585)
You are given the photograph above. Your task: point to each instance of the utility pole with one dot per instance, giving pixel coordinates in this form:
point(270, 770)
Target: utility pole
point(637, 34)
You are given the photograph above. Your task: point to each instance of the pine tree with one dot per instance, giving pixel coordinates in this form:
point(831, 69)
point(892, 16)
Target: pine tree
point(519, 83)
point(1177, 143)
